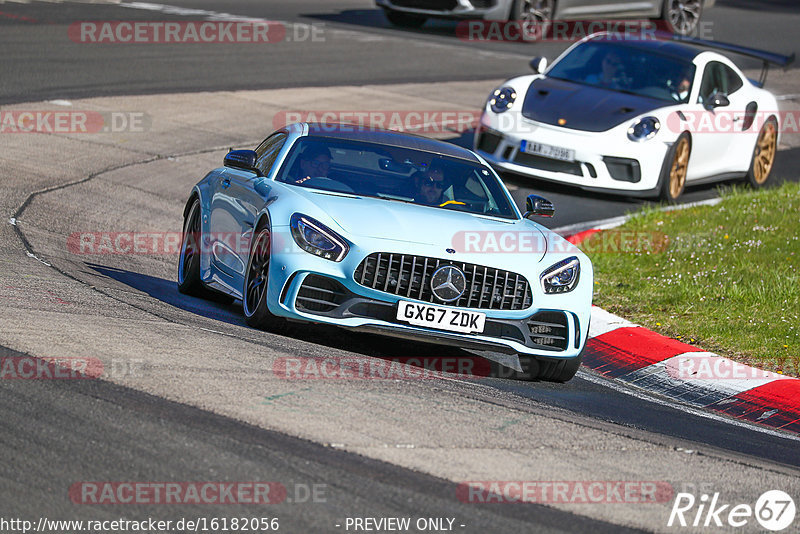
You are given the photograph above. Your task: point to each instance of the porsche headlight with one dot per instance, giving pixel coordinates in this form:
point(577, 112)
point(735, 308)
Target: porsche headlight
point(317, 239)
point(561, 277)
point(502, 99)
point(644, 129)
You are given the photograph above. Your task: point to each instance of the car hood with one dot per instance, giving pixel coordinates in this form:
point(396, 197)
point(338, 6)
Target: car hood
point(583, 107)
point(411, 223)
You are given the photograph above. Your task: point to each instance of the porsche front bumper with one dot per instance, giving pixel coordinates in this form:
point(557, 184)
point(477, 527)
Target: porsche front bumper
point(603, 161)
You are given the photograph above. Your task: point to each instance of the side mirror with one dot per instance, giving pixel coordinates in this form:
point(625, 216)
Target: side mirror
point(241, 159)
point(718, 100)
point(538, 64)
point(536, 205)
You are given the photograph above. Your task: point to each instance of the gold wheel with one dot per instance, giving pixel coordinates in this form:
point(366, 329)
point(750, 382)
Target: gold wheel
point(764, 154)
point(677, 171)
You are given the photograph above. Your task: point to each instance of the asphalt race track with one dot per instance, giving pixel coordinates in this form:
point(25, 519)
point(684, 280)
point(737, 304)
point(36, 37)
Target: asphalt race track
point(189, 392)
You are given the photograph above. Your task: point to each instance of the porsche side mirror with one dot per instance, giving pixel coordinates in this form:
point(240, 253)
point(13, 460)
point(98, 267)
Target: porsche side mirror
point(241, 159)
point(536, 205)
point(718, 100)
point(538, 64)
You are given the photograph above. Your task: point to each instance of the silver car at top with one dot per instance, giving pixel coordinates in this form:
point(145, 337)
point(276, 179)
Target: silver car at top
point(679, 16)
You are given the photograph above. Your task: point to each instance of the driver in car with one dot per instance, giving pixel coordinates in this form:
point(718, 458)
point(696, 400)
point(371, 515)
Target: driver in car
point(682, 87)
point(430, 185)
point(315, 162)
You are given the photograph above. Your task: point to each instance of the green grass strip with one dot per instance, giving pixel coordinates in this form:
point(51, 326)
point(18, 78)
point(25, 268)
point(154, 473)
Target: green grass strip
point(724, 277)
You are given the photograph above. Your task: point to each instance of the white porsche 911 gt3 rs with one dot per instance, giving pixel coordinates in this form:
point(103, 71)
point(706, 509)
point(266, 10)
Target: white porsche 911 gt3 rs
point(643, 117)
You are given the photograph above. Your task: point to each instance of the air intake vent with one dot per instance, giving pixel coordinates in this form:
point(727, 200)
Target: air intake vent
point(549, 329)
point(320, 294)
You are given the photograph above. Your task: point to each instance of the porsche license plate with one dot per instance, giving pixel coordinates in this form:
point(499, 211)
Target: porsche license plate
point(441, 318)
point(548, 151)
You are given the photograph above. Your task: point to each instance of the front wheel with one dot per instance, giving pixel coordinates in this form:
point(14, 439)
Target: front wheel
point(682, 16)
point(764, 154)
point(189, 282)
point(675, 168)
point(404, 20)
point(550, 370)
point(256, 282)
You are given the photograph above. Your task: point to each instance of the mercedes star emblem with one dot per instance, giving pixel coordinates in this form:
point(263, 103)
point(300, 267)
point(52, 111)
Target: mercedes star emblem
point(448, 283)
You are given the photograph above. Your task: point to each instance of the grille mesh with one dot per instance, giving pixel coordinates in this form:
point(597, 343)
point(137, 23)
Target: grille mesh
point(410, 276)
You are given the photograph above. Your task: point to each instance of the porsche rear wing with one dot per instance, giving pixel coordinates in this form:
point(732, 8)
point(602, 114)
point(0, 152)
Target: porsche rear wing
point(766, 58)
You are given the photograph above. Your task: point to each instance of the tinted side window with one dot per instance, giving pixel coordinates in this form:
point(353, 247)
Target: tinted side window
point(719, 78)
point(734, 81)
point(268, 151)
point(712, 81)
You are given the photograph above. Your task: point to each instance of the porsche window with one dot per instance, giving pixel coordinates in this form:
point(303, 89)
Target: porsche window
point(718, 78)
point(614, 66)
point(395, 174)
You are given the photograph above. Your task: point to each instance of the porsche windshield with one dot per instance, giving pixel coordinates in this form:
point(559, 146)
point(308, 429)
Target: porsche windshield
point(395, 174)
point(612, 65)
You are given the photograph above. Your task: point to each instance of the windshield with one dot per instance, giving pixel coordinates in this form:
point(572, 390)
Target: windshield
point(395, 174)
point(612, 65)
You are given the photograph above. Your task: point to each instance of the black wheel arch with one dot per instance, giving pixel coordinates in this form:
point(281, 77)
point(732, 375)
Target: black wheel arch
point(194, 196)
point(661, 175)
point(263, 219)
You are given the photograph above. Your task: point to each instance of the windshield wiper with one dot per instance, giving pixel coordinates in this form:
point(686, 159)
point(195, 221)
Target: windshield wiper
point(393, 197)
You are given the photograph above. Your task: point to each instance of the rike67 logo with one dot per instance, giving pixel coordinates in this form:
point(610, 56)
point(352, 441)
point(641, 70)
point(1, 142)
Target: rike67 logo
point(774, 510)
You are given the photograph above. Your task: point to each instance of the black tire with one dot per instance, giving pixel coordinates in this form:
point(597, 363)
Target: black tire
point(404, 20)
point(682, 16)
point(763, 160)
point(256, 283)
point(549, 370)
point(535, 16)
point(672, 181)
point(189, 282)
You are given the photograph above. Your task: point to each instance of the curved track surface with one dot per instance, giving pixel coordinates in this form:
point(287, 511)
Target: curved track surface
point(124, 310)
point(189, 392)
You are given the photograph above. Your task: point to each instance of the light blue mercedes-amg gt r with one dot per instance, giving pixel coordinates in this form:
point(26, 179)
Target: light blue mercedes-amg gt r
point(388, 233)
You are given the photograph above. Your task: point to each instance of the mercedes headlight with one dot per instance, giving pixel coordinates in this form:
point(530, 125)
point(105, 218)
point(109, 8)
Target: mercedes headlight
point(644, 129)
point(502, 99)
point(317, 239)
point(561, 277)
